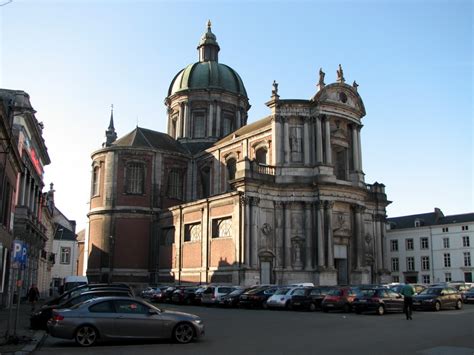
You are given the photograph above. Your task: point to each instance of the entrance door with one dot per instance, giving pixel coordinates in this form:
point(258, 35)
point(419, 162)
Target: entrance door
point(342, 272)
point(265, 269)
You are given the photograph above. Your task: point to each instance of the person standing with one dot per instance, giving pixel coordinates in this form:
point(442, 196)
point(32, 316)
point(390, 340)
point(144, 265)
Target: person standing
point(408, 291)
point(33, 296)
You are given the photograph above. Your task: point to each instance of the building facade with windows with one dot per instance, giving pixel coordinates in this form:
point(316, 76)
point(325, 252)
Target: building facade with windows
point(215, 199)
point(430, 247)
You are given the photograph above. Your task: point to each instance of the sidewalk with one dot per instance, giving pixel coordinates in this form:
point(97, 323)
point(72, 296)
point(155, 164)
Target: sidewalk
point(28, 339)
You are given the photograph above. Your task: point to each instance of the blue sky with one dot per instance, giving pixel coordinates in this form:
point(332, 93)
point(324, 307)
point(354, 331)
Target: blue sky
point(413, 61)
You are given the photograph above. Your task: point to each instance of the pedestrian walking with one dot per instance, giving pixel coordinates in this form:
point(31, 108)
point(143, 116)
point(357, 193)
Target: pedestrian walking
point(408, 291)
point(33, 296)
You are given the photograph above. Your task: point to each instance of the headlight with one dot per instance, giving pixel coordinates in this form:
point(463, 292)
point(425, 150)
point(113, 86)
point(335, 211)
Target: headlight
point(198, 321)
point(431, 300)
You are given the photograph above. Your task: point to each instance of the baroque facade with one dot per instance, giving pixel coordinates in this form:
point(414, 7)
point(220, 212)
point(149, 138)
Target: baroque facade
point(279, 200)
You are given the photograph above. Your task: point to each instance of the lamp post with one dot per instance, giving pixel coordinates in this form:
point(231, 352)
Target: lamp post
point(111, 255)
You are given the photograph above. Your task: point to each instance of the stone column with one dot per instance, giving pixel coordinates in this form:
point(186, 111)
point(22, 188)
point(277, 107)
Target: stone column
point(279, 231)
point(244, 200)
point(319, 141)
point(327, 140)
point(320, 233)
point(254, 201)
point(306, 141)
point(183, 126)
point(379, 229)
point(210, 119)
point(358, 235)
point(359, 148)
point(309, 235)
point(187, 121)
point(286, 138)
point(355, 148)
point(287, 235)
point(24, 178)
point(330, 241)
point(278, 143)
point(218, 120)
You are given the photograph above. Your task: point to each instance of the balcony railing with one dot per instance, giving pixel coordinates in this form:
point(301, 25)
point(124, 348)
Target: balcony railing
point(263, 168)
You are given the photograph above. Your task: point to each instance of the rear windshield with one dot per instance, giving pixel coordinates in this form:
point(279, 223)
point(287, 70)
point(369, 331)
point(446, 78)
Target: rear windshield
point(282, 291)
point(299, 292)
point(431, 291)
point(335, 293)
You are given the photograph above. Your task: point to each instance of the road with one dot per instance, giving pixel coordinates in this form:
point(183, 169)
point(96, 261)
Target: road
point(241, 331)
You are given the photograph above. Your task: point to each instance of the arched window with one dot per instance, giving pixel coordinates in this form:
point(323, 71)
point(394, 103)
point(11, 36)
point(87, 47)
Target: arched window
point(95, 181)
point(231, 167)
point(134, 178)
point(175, 185)
point(199, 118)
point(227, 123)
point(261, 156)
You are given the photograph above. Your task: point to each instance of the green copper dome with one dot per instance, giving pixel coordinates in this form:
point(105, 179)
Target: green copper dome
point(207, 75)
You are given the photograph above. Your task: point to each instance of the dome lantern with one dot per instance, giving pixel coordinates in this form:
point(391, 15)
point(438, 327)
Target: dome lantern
point(208, 47)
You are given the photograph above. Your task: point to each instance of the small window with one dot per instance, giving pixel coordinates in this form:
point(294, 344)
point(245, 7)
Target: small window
point(394, 245)
point(424, 243)
point(465, 228)
point(192, 232)
point(231, 168)
point(410, 263)
point(447, 260)
point(134, 178)
point(395, 264)
point(446, 243)
point(425, 263)
point(447, 277)
point(409, 244)
point(445, 229)
point(65, 255)
point(467, 259)
point(199, 124)
point(261, 156)
point(222, 228)
point(227, 123)
point(175, 184)
point(95, 181)
point(395, 278)
point(426, 279)
point(465, 242)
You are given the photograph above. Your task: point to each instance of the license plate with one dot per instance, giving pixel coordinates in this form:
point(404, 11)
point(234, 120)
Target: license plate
point(416, 303)
point(296, 303)
point(362, 301)
point(329, 305)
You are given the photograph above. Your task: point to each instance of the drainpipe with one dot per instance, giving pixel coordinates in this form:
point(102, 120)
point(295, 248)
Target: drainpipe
point(431, 257)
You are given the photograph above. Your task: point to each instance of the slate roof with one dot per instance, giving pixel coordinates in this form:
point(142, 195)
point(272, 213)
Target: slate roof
point(62, 233)
point(252, 127)
point(146, 138)
point(435, 218)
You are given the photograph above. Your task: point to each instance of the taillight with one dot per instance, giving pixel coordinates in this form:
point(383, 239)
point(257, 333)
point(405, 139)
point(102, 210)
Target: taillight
point(57, 317)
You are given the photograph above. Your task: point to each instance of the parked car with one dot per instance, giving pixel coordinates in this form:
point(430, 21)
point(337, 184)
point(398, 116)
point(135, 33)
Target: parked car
point(282, 297)
point(39, 319)
point(339, 298)
point(378, 300)
point(84, 288)
point(198, 294)
point(90, 321)
point(309, 298)
point(167, 293)
point(437, 298)
point(232, 299)
point(213, 294)
point(184, 295)
point(257, 297)
point(468, 296)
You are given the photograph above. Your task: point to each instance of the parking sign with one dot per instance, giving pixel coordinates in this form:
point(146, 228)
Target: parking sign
point(19, 252)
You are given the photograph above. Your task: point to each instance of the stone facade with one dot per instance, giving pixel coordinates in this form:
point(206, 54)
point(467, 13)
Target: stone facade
point(280, 200)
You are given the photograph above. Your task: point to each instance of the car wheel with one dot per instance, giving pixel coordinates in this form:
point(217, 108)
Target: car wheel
point(288, 305)
point(437, 306)
point(264, 305)
point(86, 335)
point(183, 333)
point(380, 310)
point(312, 307)
point(346, 308)
point(458, 304)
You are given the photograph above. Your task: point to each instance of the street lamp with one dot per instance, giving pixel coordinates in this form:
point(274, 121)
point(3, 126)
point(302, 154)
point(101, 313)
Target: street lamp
point(111, 252)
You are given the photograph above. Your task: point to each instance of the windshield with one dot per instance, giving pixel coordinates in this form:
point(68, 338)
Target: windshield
point(237, 292)
point(335, 293)
point(366, 293)
point(282, 291)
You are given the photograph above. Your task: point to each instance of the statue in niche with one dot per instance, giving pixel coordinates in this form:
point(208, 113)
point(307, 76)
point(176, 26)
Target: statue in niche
point(297, 251)
point(369, 258)
point(266, 238)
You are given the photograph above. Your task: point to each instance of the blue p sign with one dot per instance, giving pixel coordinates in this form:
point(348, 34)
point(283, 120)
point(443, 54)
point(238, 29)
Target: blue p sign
point(19, 252)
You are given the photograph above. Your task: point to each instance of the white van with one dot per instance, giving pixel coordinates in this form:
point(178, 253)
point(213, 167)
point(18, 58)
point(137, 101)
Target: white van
point(72, 281)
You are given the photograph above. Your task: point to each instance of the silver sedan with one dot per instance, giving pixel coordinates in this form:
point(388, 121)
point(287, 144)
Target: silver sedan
point(108, 318)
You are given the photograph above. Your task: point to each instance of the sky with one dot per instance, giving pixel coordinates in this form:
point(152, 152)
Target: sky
point(413, 61)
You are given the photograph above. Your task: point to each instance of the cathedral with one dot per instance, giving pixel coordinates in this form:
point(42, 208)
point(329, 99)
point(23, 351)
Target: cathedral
point(280, 200)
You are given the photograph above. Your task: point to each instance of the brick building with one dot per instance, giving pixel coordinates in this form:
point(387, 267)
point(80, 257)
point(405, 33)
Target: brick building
point(280, 200)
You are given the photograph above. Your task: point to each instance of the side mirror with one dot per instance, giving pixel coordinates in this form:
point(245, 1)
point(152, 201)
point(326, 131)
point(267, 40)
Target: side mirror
point(152, 312)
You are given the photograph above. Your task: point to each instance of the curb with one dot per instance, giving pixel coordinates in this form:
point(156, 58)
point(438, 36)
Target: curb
point(36, 341)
